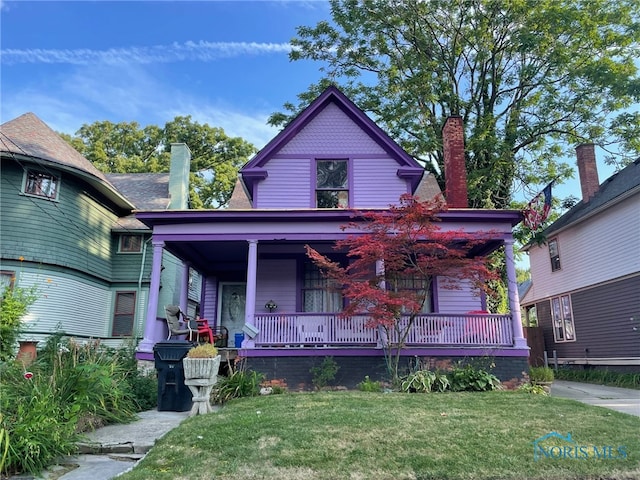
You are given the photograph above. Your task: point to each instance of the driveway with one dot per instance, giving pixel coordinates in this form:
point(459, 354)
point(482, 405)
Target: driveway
point(621, 399)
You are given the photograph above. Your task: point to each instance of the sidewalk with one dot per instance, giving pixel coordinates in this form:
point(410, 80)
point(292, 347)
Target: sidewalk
point(620, 399)
point(114, 449)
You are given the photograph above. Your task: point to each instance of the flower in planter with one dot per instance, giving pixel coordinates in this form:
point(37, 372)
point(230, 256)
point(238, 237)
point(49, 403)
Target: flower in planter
point(206, 350)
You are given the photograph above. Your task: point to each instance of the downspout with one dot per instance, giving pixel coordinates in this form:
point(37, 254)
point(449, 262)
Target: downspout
point(144, 257)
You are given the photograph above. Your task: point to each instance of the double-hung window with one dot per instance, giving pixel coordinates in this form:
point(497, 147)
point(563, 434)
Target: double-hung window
point(41, 184)
point(562, 318)
point(554, 255)
point(124, 314)
point(332, 184)
point(319, 294)
point(412, 287)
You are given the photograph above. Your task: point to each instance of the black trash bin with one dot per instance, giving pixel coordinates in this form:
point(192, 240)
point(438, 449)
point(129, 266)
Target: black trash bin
point(173, 394)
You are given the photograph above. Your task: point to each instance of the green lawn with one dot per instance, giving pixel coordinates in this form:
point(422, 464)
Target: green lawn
point(360, 436)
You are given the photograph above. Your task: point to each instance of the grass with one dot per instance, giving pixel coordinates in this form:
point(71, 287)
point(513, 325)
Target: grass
point(362, 435)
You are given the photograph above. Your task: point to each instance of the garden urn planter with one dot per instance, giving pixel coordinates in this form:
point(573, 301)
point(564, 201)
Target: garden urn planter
point(200, 375)
point(201, 368)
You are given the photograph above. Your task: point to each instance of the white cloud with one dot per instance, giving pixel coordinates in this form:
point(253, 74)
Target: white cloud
point(202, 51)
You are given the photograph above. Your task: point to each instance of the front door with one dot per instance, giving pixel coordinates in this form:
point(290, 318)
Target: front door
point(231, 301)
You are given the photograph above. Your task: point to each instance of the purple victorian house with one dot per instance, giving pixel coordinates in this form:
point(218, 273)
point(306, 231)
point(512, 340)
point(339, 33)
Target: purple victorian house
point(331, 162)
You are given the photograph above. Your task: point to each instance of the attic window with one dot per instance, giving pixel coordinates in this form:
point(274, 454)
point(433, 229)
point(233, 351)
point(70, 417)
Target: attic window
point(41, 184)
point(332, 182)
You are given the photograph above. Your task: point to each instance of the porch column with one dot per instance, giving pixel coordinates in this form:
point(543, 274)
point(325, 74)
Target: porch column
point(184, 288)
point(152, 328)
point(250, 306)
point(514, 301)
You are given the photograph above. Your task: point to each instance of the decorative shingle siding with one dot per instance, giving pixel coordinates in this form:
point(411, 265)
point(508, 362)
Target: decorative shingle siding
point(331, 132)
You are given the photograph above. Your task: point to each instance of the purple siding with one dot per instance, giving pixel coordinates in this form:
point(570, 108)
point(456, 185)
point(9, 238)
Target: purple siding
point(210, 300)
point(376, 184)
point(277, 282)
point(287, 186)
point(460, 300)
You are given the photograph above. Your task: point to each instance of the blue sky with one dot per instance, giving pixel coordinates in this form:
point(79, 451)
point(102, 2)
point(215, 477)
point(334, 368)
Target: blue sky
point(225, 63)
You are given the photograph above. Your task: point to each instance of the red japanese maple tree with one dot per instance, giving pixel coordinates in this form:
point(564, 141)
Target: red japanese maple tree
point(393, 259)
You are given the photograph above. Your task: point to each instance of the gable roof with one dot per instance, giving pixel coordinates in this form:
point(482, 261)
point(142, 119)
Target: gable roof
point(613, 189)
point(30, 139)
point(408, 167)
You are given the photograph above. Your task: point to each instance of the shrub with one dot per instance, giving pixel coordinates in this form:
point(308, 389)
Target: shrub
point(14, 304)
point(469, 378)
point(601, 376)
point(424, 381)
point(368, 385)
point(532, 388)
point(70, 387)
point(541, 374)
point(324, 373)
point(239, 383)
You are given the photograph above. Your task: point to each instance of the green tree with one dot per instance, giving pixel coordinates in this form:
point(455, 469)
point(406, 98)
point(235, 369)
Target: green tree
point(530, 78)
point(126, 148)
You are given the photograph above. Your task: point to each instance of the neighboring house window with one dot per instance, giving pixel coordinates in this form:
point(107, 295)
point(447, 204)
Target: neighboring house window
point(130, 244)
point(332, 185)
point(562, 318)
point(530, 316)
point(319, 293)
point(7, 277)
point(123, 314)
point(41, 184)
point(554, 255)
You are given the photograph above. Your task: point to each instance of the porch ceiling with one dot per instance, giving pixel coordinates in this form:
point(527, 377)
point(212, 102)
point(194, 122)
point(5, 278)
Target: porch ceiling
point(215, 257)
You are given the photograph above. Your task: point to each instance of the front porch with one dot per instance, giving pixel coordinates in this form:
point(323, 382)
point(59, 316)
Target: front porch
point(297, 330)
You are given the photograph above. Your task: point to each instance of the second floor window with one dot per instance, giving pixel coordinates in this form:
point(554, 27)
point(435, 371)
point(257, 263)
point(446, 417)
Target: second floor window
point(554, 255)
point(41, 184)
point(332, 184)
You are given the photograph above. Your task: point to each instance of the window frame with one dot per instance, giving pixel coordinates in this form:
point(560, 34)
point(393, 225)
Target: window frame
point(129, 235)
point(554, 259)
point(12, 278)
point(332, 189)
point(33, 172)
point(561, 318)
point(118, 317)
point(325, 287)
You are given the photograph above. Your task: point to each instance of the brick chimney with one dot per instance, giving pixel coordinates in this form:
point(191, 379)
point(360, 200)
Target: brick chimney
point(179, 176)
point(588, 170)
point(455, 171)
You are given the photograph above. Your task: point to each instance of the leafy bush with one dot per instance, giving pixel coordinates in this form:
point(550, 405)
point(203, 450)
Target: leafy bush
point(368, 385)
point(240, 383)
point(532, 388)
point(424, 381)
point(541, 374)
point(14, 304)
point(324, 373)
point(469, 378)
point(70, 387)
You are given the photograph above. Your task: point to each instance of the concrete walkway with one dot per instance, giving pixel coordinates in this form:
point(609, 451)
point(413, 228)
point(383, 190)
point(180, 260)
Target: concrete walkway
point(620, 399)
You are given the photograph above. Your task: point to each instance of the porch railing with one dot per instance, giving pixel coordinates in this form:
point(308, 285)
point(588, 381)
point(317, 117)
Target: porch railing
point(328, 329)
